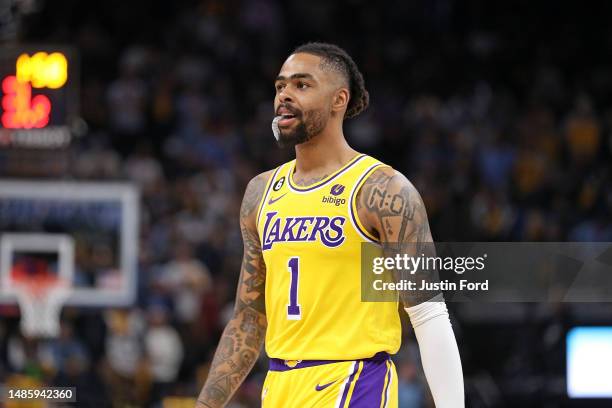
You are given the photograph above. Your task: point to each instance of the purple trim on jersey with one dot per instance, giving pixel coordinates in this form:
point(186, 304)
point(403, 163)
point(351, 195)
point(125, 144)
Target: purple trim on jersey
point(370, 385)
point(347, 386)
point(265, 196)
point(387, 388)
point(322, 183)
point(352, 198)
point(278, 364)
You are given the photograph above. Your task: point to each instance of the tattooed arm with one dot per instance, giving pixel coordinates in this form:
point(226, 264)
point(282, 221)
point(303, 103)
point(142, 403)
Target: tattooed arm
point(243, 336)
point(392, 209)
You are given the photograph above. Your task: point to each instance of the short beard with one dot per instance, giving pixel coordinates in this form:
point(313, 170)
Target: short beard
point(311, 124)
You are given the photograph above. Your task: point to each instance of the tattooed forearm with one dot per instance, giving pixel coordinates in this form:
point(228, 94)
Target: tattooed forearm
point(243, 337)
point(236, 354)
point(394, 212)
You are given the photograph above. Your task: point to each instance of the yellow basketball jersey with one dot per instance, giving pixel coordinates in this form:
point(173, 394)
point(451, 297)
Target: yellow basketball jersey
point(311, 242)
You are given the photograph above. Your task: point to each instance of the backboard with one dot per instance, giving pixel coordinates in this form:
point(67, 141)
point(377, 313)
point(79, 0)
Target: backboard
point(86, 232)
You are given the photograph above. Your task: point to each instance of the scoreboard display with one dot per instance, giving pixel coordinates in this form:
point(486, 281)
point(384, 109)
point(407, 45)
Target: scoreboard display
point(38, 93)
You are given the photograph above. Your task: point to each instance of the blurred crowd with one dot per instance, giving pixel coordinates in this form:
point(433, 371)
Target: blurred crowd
point(506, 133)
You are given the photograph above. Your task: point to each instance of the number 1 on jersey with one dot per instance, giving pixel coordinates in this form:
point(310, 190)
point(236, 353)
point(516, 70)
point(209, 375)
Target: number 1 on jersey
point(293, 309)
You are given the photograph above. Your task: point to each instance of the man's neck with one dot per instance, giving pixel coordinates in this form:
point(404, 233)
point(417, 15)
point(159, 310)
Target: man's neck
point(322, 155)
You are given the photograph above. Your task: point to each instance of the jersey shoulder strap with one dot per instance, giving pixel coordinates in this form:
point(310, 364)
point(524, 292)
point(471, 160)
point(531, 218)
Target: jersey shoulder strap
point(370, 165)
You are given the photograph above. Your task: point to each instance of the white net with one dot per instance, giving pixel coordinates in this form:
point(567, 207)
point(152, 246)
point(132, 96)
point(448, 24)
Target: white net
point(40, 307)
point(37, 269)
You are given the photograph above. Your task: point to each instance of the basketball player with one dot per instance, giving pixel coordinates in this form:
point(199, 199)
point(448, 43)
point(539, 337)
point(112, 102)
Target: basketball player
point(302, 225)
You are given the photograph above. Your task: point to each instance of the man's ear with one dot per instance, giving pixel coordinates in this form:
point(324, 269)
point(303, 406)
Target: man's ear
point(340, 100)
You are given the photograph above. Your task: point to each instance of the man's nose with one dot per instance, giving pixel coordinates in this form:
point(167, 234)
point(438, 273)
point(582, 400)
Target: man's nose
point(285, 96)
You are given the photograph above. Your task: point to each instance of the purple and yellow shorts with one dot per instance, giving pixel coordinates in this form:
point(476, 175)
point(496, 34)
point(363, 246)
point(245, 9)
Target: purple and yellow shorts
point(367, 383)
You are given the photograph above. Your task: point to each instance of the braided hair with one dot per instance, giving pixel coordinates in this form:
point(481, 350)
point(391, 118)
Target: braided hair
point(334, 57)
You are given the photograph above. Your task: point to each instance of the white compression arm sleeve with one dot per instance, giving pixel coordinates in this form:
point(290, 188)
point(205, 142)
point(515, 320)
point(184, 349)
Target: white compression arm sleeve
point(439, 352)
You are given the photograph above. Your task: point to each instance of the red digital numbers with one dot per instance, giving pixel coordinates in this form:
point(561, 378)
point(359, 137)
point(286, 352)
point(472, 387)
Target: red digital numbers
point(20, 109)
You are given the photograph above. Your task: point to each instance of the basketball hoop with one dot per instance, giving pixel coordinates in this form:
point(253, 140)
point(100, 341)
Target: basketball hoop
point(40, 289)
point(40, 303)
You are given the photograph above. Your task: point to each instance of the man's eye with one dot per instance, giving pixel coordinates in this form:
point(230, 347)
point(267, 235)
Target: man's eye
point(279, 87)
point(302, 85)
